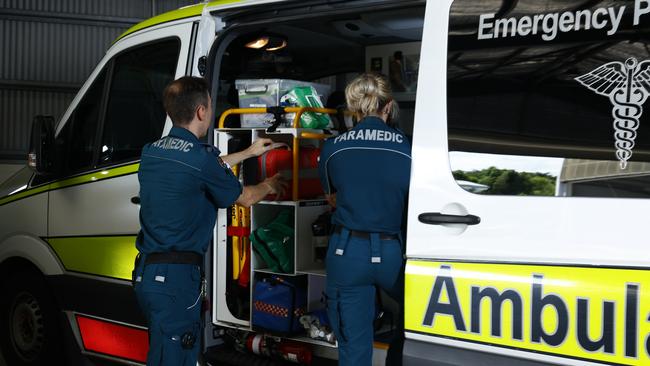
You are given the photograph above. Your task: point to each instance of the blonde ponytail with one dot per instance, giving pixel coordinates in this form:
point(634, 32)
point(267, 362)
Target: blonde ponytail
point(368, 94)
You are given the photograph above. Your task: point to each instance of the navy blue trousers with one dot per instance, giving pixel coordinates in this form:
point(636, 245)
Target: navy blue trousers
point(170, 298)
point(351, 279)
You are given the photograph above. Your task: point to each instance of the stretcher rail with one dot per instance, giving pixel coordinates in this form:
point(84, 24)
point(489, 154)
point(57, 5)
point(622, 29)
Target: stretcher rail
point(299, 111)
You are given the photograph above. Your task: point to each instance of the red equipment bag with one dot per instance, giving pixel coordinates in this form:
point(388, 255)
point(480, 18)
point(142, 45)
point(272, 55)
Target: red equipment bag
point(280, 161)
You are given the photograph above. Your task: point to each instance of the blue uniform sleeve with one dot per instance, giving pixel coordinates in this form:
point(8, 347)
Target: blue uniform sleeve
point(322, 168)
point(221, 183)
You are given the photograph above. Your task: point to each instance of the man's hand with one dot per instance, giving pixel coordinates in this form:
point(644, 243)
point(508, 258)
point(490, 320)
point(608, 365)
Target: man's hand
point(253, 194)
point(259, 147)
point(277, 184)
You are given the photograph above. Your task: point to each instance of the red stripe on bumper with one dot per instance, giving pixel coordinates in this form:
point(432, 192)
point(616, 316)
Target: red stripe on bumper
point(113, 339)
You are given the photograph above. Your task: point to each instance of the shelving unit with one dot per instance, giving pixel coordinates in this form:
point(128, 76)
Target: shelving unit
point(305, 212)
point(307, 262)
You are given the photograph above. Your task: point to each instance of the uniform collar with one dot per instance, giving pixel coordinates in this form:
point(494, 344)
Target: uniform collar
point(183, 133)
point(371, 121)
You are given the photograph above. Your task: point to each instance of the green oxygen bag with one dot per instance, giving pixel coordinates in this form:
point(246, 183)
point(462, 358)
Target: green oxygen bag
point(306, 96)
point(274, 242)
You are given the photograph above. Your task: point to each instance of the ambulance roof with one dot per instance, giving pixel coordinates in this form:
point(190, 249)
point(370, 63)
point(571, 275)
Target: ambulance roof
point(189, 12)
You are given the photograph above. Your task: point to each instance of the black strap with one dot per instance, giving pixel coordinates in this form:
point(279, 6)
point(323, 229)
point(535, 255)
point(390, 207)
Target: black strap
point(174, 258)
point(277, 112)
point(366, 235)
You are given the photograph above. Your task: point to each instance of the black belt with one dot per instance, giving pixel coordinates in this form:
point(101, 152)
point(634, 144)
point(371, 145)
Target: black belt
point(174, 258)
point(366, 235)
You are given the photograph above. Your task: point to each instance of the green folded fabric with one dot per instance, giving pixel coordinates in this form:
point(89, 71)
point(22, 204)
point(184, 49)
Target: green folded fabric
point(274, 243)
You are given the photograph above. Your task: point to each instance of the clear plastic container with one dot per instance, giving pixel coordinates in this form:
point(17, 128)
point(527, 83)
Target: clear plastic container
point(262, 93)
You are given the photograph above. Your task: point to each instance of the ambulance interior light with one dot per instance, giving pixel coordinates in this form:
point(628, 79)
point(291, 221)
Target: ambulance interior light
point(282, 45)
point(268, 43)
point(258, 43)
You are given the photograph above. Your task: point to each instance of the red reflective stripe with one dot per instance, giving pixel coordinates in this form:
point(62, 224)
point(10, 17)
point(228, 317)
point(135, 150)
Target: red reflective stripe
point(113, 339)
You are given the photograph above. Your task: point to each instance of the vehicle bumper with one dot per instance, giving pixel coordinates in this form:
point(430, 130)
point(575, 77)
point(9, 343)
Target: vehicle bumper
point(418, 353)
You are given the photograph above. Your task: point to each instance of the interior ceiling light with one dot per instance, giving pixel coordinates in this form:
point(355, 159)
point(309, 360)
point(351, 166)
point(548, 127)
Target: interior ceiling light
point(273, 47)
point(268, 42)
point(258, 43)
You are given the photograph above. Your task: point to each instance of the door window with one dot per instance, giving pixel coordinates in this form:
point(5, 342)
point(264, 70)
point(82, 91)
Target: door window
point(135, 113)
point(75, 143)
point(547, 98)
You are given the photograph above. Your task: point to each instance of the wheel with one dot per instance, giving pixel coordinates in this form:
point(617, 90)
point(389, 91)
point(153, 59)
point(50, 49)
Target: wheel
point(29, 326)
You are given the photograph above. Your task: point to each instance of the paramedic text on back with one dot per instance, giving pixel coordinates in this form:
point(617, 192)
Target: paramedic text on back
point(550, 24)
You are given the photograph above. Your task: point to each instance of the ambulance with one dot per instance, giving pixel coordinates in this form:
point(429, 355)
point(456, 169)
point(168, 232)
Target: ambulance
point(491, 278)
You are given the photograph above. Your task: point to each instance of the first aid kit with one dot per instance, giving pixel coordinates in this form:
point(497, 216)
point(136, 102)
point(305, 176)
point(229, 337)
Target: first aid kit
point(278, 304)
point(280, 161)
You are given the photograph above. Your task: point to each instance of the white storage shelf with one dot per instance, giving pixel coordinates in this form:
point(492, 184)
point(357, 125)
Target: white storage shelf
point(294, 203)
point(290, 131)
point(305, 213)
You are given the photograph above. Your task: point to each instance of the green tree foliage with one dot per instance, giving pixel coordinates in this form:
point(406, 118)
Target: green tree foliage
point(510, 182)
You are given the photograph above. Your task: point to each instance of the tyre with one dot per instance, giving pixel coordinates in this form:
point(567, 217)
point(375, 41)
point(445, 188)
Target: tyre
point(29, 321)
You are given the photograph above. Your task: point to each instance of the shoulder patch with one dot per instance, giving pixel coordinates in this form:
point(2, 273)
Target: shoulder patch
point(222, 163)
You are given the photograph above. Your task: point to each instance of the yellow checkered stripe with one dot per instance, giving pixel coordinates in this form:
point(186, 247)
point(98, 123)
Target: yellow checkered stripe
point(277, 310)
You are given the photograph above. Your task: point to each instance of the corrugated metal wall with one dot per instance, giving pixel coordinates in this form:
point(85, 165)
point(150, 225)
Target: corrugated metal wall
point(48, 48)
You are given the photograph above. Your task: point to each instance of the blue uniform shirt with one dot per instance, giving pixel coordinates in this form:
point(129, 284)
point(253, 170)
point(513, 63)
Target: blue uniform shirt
point(368, 168)
point(182, 183)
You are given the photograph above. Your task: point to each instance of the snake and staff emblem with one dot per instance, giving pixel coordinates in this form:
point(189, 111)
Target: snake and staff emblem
point(628, 86)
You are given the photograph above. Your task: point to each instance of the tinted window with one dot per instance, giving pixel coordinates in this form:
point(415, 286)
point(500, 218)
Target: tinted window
point(557, 81)
point(135, 113)
point(75, 144)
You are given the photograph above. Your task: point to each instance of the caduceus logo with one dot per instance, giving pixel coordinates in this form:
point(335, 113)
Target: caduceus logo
point(627, 85)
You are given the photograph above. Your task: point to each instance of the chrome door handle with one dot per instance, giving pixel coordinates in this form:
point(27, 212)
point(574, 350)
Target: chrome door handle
point(437, 218)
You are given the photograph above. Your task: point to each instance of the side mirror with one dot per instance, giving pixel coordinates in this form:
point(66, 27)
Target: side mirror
point(41, 147)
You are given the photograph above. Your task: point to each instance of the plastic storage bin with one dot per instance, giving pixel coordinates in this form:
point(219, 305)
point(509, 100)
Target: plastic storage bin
point(256, 93)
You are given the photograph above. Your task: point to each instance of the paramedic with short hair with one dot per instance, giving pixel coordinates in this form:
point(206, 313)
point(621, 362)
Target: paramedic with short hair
point(182, 184)
point(365, 174)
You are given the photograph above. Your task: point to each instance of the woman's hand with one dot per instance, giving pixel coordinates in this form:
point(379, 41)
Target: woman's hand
point(331, 199)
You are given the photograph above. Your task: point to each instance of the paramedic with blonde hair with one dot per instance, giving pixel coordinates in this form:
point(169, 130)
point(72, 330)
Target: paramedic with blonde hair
point(365, 174)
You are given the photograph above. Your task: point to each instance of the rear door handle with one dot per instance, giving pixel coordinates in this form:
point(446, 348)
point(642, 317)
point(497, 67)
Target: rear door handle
point(437, 218)
point(135, 200)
